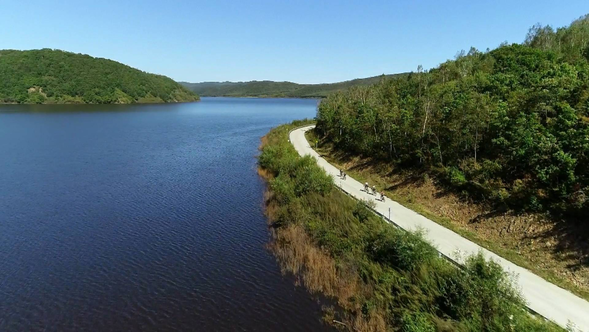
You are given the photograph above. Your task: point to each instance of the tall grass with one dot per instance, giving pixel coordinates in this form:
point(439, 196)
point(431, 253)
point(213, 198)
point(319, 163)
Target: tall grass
point(384, 279)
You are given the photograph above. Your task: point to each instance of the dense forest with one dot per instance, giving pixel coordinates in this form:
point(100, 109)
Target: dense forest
point(277, 89)
point(53, 76)
point(508, 126)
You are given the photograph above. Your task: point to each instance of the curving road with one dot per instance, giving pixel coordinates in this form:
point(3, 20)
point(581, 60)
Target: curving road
point(542, 297)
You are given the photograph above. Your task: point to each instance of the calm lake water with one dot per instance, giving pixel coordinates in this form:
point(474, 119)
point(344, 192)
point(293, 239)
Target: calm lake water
point(142, 218)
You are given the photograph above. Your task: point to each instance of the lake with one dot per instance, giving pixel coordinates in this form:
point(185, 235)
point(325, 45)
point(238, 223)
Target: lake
point(142, 218)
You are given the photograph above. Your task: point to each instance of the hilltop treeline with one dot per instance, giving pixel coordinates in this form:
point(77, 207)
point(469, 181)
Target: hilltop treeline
point(277, 89)
point(510, 126)
point(52, 76)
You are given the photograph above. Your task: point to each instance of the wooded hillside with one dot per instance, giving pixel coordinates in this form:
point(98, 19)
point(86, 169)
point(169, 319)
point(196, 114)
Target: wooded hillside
point(508, 126)
point(53, 76)
point(277, 89)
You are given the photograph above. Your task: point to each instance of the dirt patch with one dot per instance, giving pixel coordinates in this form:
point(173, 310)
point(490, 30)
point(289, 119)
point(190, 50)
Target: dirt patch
point(36, 89)
point(555, 249)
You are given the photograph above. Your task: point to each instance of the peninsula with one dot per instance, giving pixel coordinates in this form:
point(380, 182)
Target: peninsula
point(49, 76)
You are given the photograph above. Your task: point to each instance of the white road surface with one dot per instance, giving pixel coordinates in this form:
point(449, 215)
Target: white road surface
point(542, 297)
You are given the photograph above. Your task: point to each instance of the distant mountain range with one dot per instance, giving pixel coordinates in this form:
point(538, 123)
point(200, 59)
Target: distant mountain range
point(276, 89)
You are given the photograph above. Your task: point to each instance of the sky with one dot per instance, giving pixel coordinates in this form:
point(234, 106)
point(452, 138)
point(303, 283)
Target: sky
point(315, 41)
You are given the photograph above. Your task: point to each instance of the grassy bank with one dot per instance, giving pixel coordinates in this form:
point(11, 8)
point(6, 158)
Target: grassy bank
point(381, 277)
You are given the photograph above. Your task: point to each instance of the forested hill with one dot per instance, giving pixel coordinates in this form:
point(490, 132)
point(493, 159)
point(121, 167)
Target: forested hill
point(276, 89)
point(508, 126)
point(53, 76)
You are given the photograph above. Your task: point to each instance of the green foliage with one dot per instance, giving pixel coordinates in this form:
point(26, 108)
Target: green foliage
point(361, 212)
point(52, 76)
point(400, 250)
point(509, 126)
point(276, 89)
point(417, 322)
point(456, 177)
point(308, 178)
point(403, 277)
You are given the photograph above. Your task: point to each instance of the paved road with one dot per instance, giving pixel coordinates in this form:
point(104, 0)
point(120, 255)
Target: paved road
point(546, 299)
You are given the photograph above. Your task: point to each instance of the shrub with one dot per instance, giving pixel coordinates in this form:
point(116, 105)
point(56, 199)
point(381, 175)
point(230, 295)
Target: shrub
point(455, 176)
point(401, 250)
point(361, 212)
point(417, 322)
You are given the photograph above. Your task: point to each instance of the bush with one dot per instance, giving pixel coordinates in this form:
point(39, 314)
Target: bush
point(309, 178)
point(361, 212)
point(401, 250)
point(417, 322)
point(456, 177)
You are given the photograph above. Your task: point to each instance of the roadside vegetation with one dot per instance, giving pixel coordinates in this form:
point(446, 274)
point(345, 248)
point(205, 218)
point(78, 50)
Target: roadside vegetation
point(548, 246)
point(56, 77)
point(382, 278)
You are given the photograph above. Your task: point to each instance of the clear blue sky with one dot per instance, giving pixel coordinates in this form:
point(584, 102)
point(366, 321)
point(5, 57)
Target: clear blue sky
point(302, 41)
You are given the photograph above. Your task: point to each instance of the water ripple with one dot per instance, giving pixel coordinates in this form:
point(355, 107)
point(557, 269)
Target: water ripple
point(140, 221)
